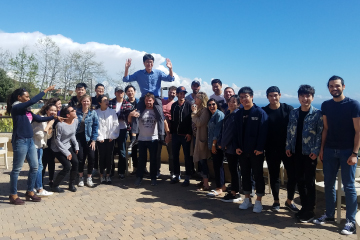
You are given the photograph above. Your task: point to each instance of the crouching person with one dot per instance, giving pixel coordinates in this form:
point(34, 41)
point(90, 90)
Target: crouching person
point(147, 139)
point(304, 141)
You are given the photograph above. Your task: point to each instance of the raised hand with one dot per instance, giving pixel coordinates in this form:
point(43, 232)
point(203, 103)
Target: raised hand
point(50, 88)
point(168, 63)
point(128, 63)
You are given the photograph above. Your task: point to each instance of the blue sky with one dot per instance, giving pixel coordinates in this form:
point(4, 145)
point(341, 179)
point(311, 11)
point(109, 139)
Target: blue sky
point(252, 43)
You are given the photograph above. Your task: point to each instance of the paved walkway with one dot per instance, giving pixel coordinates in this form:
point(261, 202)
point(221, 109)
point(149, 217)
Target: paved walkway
point(164, 211)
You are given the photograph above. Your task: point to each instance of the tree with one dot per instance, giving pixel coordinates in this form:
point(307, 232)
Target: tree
point(4, 59)
point(68, 70)
point(6, 84)
point(24, 67)
point(49, 61)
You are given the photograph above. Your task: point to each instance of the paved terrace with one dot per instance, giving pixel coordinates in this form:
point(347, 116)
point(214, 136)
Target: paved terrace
point(164, 211)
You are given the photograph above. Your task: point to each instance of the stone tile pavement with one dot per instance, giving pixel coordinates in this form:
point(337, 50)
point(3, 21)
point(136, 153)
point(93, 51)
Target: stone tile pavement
point(165, 211)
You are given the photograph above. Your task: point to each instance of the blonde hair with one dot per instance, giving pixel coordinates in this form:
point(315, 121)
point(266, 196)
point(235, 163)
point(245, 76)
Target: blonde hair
point(204, 98)
point(82, 98)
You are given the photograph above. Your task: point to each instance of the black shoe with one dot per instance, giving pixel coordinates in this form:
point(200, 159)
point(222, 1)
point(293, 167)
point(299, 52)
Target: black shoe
point(72, 187)
point(229, 197)
point(153, 182)
point(291, 207)
point(299, 214)
point(57, 189)
point(185, 183)
point(174, 179)
point(306, 217)
point(51, 184)
point(138, 182)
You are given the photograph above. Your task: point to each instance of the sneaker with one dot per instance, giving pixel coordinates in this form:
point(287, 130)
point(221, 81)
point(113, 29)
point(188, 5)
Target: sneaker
point(306, 217)
point(246, 204)
point(89, 182)
point(257, 207)
point(108, 180)
point(138, 182)
point(153, 182)
point(95, 172)
point(291, 207)
point(51, 184)
point(175, 179)
point(323, 219)
point(121, 176)
point(81, 182)
point(43, 193)
point(349, 228)
point(229, 197)
point(299, 214)
point(134, 171)
point(185, 183)
point(275, 207)
point(103, 180)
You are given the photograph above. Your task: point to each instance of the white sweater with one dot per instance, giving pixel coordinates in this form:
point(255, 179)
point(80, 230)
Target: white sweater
point(109, 127)
point(40, 137)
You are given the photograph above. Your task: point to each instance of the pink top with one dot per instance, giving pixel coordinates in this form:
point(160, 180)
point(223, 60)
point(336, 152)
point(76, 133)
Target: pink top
point(29, 115)
point(167, 108)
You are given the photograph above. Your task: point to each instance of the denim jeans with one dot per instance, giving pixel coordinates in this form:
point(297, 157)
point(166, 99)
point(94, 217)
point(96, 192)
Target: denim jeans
point(177, 142)
point(333, 159)
point(152, 146)
point(121, 141)
point(38, 181)
point(23, 148)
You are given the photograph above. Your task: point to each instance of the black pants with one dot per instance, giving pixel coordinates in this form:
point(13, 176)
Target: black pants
point(177, 142)
point(250, 162)
point(134, 156)
point(48, 160)
point(233, 163)
point(144, 146)
point(218, 164)
point(273, 159)
point(68, 166)
point(106, 149)
point(96, 159)
point(85, 151)
point(305, 174)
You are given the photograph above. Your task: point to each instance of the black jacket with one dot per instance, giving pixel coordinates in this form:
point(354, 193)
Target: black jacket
point(276, 138)
point(73, 102)
point(181, 118)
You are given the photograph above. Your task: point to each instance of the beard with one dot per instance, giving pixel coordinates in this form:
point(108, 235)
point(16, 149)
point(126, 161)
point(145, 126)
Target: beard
point(336, 94)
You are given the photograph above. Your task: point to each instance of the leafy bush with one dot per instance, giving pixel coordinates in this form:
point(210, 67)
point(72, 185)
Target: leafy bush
point(6, 125)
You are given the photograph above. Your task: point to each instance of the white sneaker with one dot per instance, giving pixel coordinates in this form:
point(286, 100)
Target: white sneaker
point(89, 182)
point(257, 207)
point(246, 204)
point(103, 180)
point(44, 193)
point(349, 228)
point(81, 182)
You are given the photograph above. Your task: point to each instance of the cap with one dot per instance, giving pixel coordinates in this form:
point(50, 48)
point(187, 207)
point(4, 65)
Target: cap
point(119, 89)
point(195, 82)
point(181, 89)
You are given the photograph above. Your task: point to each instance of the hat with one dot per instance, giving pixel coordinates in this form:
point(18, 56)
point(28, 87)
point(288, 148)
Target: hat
point(181, 89)
point(195, 82)
point(119, 89)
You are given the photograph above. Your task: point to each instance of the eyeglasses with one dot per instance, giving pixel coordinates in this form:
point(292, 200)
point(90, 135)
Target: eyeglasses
point(211, 104)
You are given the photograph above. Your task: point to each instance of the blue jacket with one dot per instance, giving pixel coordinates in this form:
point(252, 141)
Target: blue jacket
point(21, 125)
point(91, 124)
point(227, 134)
point(214, 127)
point(311, 134)
point(255, 132)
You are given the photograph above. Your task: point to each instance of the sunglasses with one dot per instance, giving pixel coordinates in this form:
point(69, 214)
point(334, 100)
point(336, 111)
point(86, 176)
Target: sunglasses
point(73, 110)
point(211, 104)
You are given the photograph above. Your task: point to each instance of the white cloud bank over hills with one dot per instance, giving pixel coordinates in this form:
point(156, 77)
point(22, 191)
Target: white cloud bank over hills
point(113, 58)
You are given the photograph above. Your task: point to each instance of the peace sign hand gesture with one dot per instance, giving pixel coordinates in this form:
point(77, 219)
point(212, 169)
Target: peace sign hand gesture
point(128, 63)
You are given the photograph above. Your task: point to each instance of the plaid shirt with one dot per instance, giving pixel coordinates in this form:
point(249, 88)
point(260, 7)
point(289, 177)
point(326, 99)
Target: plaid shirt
point(126, 108)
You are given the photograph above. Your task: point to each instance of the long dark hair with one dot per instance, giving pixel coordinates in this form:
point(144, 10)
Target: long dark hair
point(45, 108)
point(217, 104)
point(13, 98)
point(53, 100)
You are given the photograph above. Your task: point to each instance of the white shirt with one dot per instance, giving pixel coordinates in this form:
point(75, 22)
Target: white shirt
point(109, 127)
point(148, 130)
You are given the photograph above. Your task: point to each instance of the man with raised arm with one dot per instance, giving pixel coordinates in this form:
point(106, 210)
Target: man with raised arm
point(149, 80)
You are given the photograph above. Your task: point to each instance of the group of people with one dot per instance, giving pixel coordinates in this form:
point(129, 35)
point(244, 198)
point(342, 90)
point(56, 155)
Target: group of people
point(222, 126)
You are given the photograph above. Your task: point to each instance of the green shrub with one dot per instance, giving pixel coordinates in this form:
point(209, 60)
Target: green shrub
point(6, 125)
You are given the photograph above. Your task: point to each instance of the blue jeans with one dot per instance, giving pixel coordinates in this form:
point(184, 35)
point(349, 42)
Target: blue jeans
point(23, 148)
point(177, 142)
point(38, 181)
point(152, 146)
point(121, 141)
point(333, 158)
